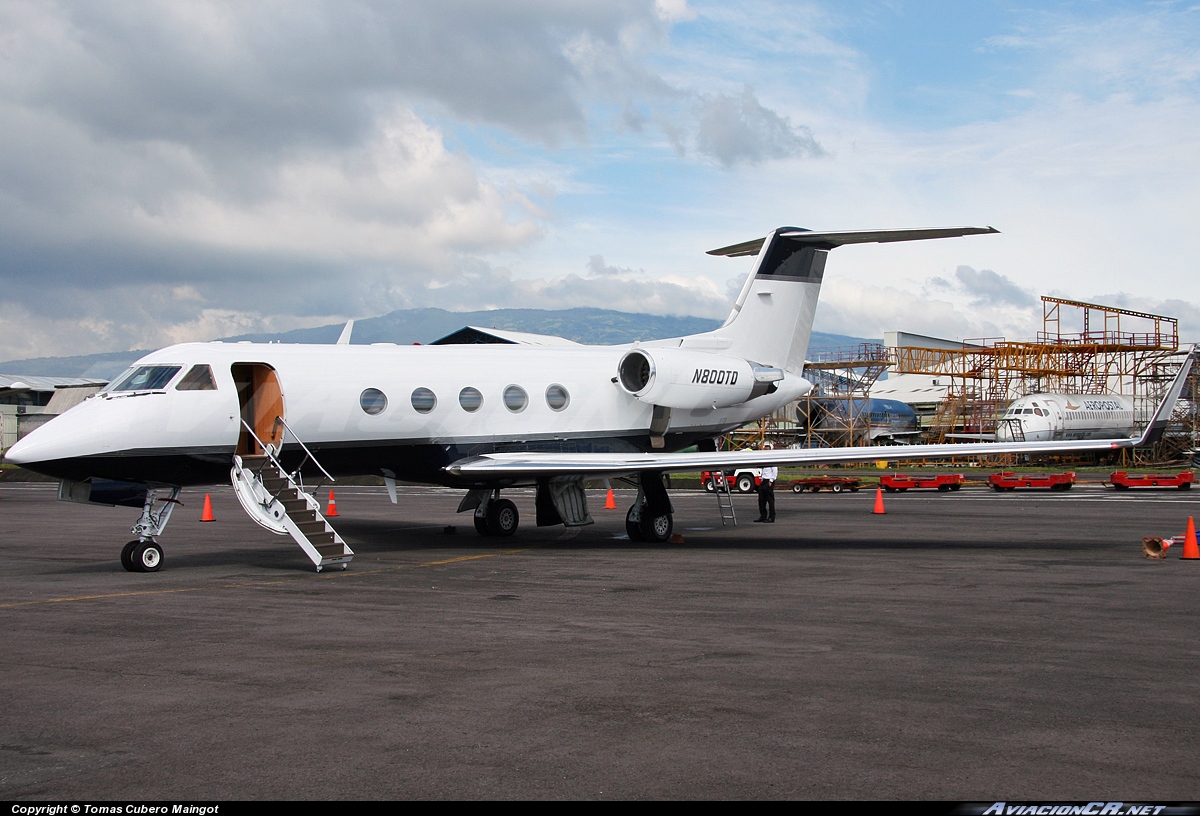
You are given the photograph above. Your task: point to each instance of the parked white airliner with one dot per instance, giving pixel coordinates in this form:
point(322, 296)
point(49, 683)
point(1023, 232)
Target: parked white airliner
point(1067, 416)
point(535, 411)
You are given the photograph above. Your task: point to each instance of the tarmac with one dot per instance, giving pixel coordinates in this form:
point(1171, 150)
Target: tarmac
point(966, 646)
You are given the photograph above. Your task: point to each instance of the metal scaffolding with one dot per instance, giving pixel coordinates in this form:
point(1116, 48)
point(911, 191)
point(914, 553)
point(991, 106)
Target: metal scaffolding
point(1115, 351)
point(835, 414)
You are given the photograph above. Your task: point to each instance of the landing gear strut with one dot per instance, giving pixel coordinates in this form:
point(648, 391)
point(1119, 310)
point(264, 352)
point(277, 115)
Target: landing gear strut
point(144, 554)
point(650, 517)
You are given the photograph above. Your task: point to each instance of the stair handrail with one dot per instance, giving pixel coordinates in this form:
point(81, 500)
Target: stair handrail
point(270, 453)
point(307, 453)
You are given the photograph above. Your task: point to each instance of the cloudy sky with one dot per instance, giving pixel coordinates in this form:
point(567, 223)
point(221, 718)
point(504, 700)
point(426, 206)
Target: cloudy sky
point(195, 169)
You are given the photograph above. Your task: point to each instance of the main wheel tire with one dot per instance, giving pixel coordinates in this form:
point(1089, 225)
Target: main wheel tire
point(1185, 486)
point(127, 556)
point(632, 527)
point(943, 488)
point(656, 528)
point(481, 526)
point(745, 484)
point(147, 556)
point(502, 518)
point(837, 488)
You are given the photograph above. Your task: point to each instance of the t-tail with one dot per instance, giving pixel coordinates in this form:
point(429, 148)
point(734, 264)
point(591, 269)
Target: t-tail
point(771, 323)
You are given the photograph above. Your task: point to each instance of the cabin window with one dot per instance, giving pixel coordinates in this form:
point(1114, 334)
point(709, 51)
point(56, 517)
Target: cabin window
point(470, 399)
point(146, 378)
point(200, 378)
point(373, 401)
point(423, 400)
point(515, 398)
point(557, 397)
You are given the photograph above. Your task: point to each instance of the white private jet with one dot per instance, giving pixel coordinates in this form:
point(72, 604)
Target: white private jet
point(531, 411)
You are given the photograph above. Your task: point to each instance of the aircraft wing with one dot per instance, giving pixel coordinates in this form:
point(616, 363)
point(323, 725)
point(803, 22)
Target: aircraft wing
point(610, 464)
point(532, 464)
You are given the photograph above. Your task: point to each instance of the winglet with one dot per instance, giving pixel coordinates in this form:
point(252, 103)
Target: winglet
point(1158, 423)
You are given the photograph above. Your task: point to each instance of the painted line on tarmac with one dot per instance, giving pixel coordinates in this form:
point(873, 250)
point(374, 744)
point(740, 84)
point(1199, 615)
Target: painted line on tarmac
point(327, 576)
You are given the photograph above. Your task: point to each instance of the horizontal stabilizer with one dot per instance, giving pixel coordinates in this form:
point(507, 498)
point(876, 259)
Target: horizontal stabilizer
point(829, 240)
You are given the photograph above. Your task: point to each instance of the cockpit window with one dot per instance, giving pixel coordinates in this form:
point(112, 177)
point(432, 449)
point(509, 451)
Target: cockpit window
point(146, 378)
point(200, 378)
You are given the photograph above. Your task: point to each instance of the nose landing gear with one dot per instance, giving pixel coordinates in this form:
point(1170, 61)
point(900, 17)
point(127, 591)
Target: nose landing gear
point(144, 554)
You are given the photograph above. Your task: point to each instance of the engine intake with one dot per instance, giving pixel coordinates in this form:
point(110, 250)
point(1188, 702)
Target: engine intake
point(677, 378)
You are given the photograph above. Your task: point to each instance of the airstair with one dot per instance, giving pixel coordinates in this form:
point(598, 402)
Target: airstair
point(277, 500)
point(724, 499)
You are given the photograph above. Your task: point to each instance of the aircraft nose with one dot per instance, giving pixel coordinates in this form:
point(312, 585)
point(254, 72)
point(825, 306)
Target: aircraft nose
point(33, 449)
point(62, 438)
point(18, 454)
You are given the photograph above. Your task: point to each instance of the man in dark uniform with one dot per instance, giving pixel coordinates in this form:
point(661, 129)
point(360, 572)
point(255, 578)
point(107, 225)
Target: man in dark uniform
point(766, 493)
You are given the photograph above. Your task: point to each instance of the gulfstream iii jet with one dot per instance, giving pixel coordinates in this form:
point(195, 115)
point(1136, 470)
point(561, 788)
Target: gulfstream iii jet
point(534, 411)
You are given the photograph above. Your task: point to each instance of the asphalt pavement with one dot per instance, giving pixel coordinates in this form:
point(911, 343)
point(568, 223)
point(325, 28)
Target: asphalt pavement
point(963, 646)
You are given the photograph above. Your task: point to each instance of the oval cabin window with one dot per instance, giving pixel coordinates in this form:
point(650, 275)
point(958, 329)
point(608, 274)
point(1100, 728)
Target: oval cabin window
point(423, 400)
point(557, 397)
point(470, 399)
point(373, 401)
point(515, 398)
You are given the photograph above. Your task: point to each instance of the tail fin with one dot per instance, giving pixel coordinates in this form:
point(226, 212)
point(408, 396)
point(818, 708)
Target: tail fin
point(771, 323)
point(1158, 423)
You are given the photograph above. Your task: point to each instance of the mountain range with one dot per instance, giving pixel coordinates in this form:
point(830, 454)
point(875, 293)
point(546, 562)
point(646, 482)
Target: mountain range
point(405, 326)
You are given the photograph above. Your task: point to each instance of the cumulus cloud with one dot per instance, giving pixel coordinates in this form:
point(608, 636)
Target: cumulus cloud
point(988, 288)
point(740, 130)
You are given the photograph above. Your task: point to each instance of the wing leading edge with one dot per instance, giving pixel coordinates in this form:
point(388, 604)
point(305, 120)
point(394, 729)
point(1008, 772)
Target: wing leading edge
point(508, 465)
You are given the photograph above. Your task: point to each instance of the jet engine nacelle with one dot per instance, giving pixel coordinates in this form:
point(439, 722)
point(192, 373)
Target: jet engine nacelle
point(679, 378)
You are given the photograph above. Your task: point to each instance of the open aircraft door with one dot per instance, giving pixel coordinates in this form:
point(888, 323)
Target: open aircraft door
point(261, 401)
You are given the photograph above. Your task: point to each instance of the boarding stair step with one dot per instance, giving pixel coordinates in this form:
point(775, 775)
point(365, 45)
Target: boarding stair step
point(302, 516)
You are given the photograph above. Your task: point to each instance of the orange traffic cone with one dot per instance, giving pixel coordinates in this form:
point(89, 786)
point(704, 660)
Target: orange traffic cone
point(879, 511)
point(1190, 550)
point(610, 503)
point(207, 515)
point(332, 511)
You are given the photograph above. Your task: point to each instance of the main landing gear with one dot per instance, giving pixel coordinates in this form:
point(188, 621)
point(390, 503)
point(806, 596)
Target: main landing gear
point(650, 517)
point(496, 516)
point(144, 554)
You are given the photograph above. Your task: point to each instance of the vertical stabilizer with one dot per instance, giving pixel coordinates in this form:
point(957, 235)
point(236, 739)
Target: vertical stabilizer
point(772, 321)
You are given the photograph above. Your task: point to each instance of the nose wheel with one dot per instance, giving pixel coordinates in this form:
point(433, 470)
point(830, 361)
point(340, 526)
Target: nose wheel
point(142, 556)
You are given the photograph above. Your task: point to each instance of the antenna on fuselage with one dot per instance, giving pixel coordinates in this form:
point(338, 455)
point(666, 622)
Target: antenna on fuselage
point(344, 337)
